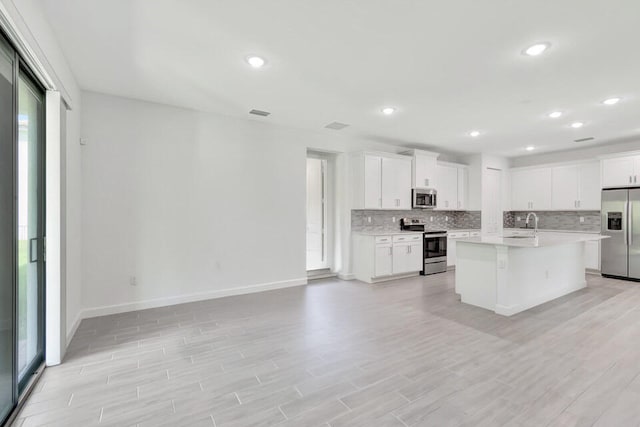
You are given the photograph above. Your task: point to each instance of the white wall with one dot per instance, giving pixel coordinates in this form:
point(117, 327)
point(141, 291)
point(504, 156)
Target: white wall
point(29, 19)
point(589, 153)
point(193, 205)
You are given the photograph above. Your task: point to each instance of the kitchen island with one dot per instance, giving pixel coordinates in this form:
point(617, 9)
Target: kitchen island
point(511, 274)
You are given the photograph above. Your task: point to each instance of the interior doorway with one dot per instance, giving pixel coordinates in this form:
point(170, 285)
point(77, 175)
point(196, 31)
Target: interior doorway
point(318, 212)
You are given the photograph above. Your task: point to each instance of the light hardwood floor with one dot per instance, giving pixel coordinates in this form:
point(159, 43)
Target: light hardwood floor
point(351, 354)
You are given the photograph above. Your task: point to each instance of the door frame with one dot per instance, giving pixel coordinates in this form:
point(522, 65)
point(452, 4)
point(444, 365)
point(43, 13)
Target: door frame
point(328, 184)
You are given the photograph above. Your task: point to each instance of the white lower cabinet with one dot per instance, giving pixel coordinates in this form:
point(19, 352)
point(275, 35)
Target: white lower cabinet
point(383, 257)
point(383, 263)
point(451, 246)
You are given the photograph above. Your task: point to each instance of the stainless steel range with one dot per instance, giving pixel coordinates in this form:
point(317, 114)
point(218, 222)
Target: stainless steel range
point(434, 248)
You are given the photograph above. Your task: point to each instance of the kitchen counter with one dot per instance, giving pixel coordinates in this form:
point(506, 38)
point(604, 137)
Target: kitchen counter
point(509, 275)
point(385, 233)
point(538, 241)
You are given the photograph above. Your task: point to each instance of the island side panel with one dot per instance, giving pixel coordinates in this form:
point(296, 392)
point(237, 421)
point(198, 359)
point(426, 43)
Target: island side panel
point(538, 275)
point(476, 274)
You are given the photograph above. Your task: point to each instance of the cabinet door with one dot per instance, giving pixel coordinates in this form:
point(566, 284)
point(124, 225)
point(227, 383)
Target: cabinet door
point(403, 183)
point(423, 171)
point(636, 170)
point(540, 189)
point(383, 260)
point(564, 188)
point(396, 183)
point(462, 188)
point(415, 259)
point(400, 258)
point(447, 187)
point(372, 182)
point(589, 188)
point(617, 172)
point(520, 200)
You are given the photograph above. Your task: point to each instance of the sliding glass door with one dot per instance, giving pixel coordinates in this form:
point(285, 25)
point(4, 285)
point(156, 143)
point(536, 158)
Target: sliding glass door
point(7, 241)
point(30, 227)
point(21, 228)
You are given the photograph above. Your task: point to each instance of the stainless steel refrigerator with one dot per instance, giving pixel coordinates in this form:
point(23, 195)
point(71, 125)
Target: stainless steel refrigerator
point(621, 222)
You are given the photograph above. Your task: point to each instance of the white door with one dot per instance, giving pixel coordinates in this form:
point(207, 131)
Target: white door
point(564, 188)
point(383, 260)
point(590, 188)
point(617, 172)
point(415, 259)
point(372, 182)
point(401, 258)
point(316, 214)
point(396, 183)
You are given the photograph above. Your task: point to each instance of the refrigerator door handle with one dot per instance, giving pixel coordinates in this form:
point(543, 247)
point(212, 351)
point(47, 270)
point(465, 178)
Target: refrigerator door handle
point(626, 223)
point(630, 224)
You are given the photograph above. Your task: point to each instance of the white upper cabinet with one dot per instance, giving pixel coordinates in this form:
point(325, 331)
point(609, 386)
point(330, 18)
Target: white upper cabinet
point(621, 172)
point(564, 187)
point(576, 187)
point(424, 169)
point(531, 189)
point(372, 182)
point(463, 180)
point(589, 186)
point(446, 184)
point(380, 181)
point(396, 183)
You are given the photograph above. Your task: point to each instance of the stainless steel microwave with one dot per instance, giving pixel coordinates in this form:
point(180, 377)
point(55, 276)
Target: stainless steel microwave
point(424, 198)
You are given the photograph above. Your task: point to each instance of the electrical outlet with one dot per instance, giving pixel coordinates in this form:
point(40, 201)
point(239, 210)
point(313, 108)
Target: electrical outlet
point(133, 281)
point(446, 219)
point(518, 218)
point(393, 219)
point(369, 219)
point(431, 218)
point(581, 219)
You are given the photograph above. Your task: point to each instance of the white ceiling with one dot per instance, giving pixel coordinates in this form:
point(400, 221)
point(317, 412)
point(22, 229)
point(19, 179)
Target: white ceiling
point(448, 66)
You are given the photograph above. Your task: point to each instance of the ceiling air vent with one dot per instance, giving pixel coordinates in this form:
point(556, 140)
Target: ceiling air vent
point(584, 139)
point(259, 113)
point(336, 126)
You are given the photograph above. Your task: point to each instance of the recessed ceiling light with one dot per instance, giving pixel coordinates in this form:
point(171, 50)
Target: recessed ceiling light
point(255, 61)
point(611, 101)
point(537, 49)
point(555, 114)
point(530, 148)
point(474, 133)
point(577, 125)
point(387, 111)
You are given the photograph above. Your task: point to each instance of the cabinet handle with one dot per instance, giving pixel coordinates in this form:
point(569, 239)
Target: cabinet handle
point(390, 250)
point(635, 179)
point(579, 203)
point(380, 202)
point(408, 249)
point(630, 179)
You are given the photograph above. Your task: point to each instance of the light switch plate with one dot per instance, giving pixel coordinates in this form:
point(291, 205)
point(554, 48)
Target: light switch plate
point(581, 219)
point(369, 219)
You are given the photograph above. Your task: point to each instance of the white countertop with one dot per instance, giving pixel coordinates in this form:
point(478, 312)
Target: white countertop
point(541, 240)
point(385, 233)
point(547, 230)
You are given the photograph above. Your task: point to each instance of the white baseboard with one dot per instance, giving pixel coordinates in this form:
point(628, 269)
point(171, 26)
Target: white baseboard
point(181, 299)
point(346, 276)
point(515, 309)
point(74, 326)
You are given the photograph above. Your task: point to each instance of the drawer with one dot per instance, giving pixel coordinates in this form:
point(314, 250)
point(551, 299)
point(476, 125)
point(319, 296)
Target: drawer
point(383, 239)
point(474, 234)
point(407, 238)
point(457, 235)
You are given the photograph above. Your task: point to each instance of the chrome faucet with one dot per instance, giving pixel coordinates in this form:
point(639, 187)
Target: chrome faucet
point(535, 230)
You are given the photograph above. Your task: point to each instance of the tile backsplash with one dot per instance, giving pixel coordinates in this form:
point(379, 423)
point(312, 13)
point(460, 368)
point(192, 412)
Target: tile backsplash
point(436, 220)
point(557, 220)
